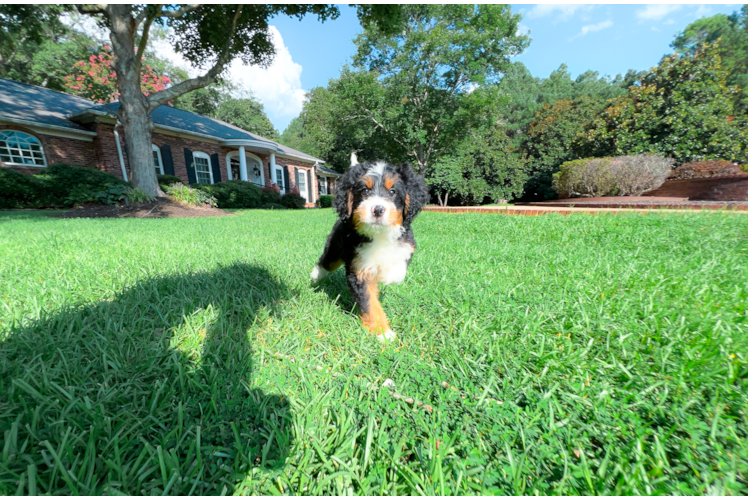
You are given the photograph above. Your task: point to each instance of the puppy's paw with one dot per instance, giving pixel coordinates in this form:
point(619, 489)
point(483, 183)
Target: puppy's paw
point(318, 274)
point(389, 335)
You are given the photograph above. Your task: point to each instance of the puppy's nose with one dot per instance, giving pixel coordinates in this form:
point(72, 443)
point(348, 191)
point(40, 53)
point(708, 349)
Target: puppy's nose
point(378, 210)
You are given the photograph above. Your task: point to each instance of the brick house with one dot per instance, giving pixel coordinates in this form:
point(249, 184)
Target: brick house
point(40, 127)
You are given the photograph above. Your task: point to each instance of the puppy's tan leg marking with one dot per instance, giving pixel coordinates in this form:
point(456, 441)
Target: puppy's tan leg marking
point(374, 319)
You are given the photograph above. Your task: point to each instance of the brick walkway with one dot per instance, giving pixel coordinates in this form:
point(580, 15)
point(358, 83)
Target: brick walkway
point(541, 210)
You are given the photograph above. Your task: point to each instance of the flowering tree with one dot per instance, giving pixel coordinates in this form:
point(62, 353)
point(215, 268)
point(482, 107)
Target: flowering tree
point(96, 79)
point(208, 36)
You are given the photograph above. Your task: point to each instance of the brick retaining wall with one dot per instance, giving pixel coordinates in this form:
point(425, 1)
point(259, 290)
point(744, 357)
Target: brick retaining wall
point(732, 188)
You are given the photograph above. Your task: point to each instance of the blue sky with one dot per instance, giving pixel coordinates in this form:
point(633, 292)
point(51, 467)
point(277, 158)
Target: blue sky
point(609, 39)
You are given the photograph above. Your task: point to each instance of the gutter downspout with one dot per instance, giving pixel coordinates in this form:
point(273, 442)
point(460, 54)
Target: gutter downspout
point(119, 151)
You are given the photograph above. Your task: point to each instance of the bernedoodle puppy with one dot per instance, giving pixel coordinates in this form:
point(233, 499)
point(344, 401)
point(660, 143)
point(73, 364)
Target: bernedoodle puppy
point(376, 203)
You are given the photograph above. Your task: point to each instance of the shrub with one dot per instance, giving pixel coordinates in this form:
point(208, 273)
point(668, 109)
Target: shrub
point(292, 200)
point(63, 178)
point(79, 195)
point(705, 169)
point(585, 177)
point(234, 194)
point(167, 180)
point(270, 196)
point(19, 190)
point(325, 201)
point(637, 174)
point(621, 176)
point(138, 195)
point(189, 195)
point(112, 195)
point(272, 206)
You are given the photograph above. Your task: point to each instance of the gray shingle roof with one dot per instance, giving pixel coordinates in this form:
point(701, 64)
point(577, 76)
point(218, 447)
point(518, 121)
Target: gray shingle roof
point(19, 101)
point(328, 171)
point(193, 122)
point(41, 105)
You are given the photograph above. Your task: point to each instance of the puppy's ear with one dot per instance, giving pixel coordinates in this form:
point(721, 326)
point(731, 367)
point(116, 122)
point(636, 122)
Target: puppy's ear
point(343, 201)
point(416, 192)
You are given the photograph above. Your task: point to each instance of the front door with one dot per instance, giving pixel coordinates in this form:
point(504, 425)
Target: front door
point(302, 185)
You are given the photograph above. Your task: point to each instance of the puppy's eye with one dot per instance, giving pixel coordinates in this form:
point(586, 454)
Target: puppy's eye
point(366, 190)
point(392, 192)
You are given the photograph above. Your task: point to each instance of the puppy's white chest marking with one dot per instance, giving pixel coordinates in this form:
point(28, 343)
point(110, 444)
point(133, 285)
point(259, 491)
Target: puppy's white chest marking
point(384, 259)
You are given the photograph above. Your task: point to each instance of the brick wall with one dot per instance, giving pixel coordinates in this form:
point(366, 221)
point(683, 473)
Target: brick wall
point(57, 150)
point(302, 165)
point(734, 188)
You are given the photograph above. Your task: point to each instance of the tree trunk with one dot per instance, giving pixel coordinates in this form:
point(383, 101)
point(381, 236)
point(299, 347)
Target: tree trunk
point(133, 112)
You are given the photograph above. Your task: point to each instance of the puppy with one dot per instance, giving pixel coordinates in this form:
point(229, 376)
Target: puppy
point(373, 239)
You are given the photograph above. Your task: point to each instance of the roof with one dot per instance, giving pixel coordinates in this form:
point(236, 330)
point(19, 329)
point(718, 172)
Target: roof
point(48, 107)
point(325, 170)
point(19, 101)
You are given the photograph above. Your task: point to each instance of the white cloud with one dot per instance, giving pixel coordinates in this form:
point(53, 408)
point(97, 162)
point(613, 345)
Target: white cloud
point(656, 12)
point(563, 12)
point(702, 10)
point(669, 21)
point(278, 86)
point(591, 28)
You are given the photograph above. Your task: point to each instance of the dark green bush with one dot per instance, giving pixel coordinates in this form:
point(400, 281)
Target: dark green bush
point(325, 201)
point(167, 180)
point(19, 190)
point(234, 194)
point(272, 206)
point(292, 200)
point(63, 178)
point(270, 195)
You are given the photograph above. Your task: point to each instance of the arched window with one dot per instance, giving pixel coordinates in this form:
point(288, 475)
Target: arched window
point(20, 148)
point(157, 161)
point(202, 167)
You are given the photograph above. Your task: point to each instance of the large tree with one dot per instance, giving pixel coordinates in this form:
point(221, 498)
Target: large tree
point(683, 110)
point(414, 92)
point(732, 33)
point(246, 113)
point(209, 36)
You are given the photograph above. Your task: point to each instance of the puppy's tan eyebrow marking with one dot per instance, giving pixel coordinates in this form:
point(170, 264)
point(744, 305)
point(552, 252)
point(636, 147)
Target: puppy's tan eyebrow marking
point(368, 181)
point(390, 179)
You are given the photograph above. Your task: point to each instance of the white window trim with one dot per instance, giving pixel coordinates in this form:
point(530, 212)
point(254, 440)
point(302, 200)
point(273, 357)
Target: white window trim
point(304, 194)
point(160, 159)
point(200, 154)
point(41, 148)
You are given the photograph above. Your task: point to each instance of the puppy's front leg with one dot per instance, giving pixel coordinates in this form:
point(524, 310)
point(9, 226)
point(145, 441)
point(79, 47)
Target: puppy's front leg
point(366, 295)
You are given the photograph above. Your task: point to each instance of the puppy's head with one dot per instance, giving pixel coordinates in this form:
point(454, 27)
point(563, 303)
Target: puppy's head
point(379, 197)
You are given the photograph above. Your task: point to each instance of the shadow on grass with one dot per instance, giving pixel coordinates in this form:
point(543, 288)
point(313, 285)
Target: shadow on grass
point(148, 393)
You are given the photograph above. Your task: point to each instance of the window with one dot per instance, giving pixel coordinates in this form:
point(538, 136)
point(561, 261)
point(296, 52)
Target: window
point(19, 148)
point(157, 162)
point(322, 185)
point(302, 184)
point(202, 167)
point(279, 177)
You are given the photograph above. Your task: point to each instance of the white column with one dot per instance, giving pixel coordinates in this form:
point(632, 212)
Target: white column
point(272, 168)
point(242, 164)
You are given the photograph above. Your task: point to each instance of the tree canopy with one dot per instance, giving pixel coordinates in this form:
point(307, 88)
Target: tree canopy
point(732, 33)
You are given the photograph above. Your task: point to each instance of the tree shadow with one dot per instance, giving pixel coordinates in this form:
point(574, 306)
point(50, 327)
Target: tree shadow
point(148, 393)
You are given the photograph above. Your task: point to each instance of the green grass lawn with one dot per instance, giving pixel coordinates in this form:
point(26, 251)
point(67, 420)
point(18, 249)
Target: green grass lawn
point(589, 354)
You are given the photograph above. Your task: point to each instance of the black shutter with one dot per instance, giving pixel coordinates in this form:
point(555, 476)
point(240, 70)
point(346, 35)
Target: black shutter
point(287, 187)
point(309, 185)
point(188, 160)
point(166, 157)
point(296, 176)
point(216, 168)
